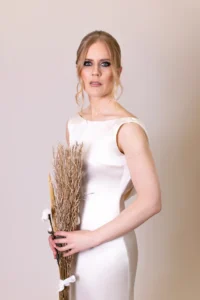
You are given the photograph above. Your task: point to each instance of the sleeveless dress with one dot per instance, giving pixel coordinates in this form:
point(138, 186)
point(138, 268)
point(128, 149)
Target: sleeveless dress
point(106, 271)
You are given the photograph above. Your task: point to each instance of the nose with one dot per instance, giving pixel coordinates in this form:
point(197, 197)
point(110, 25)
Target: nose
point(95, 70)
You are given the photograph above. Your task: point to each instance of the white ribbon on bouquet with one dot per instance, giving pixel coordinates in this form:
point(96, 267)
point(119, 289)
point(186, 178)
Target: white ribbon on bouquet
point(66, 282)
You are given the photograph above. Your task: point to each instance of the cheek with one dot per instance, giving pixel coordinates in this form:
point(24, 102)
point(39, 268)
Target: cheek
point(108, 76)
point(85, 73)
point(84, 77)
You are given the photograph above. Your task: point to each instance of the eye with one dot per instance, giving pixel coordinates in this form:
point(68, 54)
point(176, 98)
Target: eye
point(86, 63)
point(106, 63)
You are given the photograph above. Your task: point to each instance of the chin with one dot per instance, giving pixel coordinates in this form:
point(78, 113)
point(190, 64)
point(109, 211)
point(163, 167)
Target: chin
point(94, 93)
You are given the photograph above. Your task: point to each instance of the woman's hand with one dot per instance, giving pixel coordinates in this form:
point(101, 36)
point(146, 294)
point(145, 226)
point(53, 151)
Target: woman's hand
point(52, 246)
point(78, 240)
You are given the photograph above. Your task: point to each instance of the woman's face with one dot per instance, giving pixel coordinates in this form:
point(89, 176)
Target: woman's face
point(96, 72)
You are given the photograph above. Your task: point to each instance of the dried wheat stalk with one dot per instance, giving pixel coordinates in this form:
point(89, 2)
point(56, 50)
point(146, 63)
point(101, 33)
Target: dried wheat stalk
point(65, 191)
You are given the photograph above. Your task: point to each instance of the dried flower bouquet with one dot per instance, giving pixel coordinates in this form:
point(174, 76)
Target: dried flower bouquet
point(65, 195)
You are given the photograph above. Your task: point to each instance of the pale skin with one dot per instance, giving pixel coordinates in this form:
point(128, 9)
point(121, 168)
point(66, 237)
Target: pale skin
point(132, 142)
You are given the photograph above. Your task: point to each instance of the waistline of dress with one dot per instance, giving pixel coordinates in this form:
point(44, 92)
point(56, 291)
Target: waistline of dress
point(97, 192)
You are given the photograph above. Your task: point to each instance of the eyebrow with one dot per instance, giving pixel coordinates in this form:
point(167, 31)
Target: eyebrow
point(99, 60)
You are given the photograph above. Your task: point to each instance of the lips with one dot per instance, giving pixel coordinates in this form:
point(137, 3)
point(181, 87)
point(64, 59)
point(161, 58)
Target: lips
point(95, 83)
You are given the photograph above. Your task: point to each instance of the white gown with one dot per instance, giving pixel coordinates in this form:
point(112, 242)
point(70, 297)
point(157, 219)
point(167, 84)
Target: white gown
point(107, 271)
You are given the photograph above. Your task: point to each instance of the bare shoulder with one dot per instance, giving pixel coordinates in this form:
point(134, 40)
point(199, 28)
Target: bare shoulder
point(131, 134)
point(130, 128)
point(122, 112)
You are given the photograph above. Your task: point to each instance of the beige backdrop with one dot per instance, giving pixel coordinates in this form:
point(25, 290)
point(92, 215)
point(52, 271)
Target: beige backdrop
point(160, 56)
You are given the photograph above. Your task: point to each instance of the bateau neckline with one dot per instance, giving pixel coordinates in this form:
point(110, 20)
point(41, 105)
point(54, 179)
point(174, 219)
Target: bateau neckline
point(102, 121)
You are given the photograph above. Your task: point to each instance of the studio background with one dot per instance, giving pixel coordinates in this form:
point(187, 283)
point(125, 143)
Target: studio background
point(161, 62)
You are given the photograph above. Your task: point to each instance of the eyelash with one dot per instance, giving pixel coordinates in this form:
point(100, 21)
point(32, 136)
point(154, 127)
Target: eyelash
point(87, 61)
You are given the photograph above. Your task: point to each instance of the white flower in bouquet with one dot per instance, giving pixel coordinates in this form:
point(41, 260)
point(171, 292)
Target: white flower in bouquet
point(45, 214)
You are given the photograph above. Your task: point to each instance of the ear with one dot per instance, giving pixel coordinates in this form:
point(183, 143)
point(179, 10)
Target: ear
point(119, 71)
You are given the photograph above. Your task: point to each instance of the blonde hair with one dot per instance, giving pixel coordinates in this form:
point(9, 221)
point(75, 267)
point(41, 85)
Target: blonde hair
point(115, 51)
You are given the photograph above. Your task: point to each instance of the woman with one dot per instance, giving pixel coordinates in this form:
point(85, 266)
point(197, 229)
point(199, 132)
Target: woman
point(119, 163)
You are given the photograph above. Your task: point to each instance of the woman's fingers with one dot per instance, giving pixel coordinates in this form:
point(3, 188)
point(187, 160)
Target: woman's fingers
point(60, 241)
point(64, 248)
point(62, 233)
point(51, 241)
point(51, 244)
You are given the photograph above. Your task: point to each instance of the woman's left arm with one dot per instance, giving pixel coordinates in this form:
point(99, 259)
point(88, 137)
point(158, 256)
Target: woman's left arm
point(133, 142)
